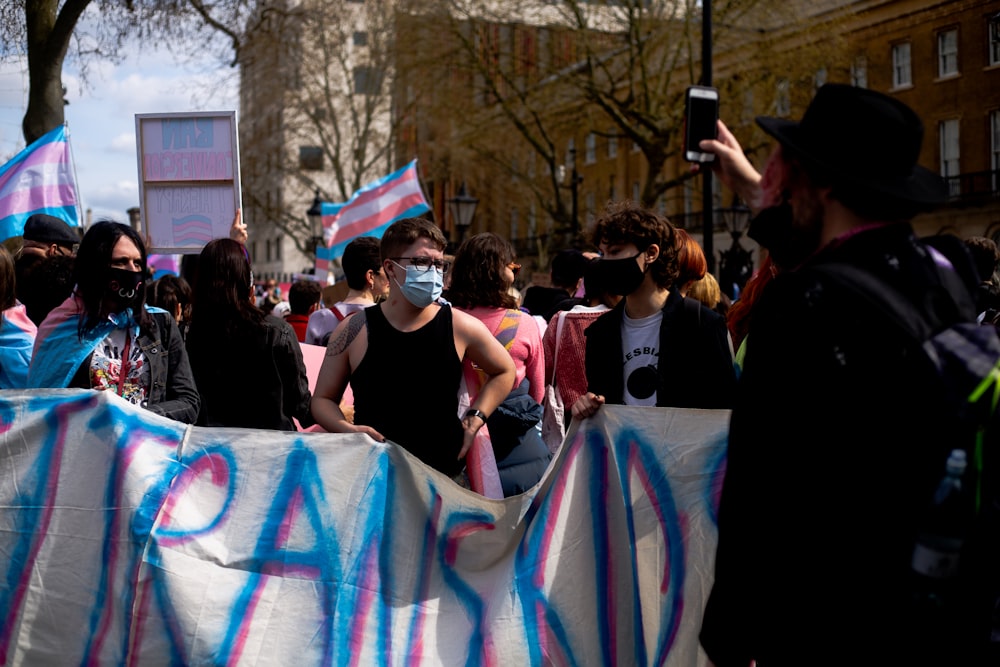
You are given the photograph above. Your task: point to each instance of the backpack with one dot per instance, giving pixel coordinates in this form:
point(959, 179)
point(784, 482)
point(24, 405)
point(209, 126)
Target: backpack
point(965, 356)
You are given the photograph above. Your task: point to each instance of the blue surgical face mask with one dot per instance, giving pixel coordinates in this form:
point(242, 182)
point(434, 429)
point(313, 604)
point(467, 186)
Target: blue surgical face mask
point(421, 288)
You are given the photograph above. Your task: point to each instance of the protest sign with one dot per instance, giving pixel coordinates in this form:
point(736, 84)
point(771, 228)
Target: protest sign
point(189, 181)
point(131, 539)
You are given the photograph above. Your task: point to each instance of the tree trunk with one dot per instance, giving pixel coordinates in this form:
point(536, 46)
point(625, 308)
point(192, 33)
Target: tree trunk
point(49, 35)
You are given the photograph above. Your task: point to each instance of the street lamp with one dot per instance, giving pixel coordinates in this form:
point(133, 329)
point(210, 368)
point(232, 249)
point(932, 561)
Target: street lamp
point(736, 263)
point(708, 223)
point(463, 209)
point(574, 188)
point(315, 216)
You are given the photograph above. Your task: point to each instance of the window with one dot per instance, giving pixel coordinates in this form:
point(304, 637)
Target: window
point(820, 77)
point(901, 75)
point(277, 249)
point(311, 158)
point(532, 222)
point(612, 144)
point(367, 81)
point(995, 148)
point(948, 140)
point(994, 37)
point(636, 191)
point(570, 154)
point(514, 227)
point(747, 113)
point(782, 100)
point(859, 72)
point(591, 152)
point(360, 38)
point(947, 44)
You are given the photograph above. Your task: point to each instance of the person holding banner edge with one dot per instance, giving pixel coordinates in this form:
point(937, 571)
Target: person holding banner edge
point(403, 358)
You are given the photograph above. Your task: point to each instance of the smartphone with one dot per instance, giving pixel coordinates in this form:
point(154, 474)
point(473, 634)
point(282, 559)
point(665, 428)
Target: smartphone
point(701, 114)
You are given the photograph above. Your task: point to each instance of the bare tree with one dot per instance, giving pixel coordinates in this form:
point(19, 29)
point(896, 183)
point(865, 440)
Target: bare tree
point(317, 104)
point(50, 31)
point(542, 72)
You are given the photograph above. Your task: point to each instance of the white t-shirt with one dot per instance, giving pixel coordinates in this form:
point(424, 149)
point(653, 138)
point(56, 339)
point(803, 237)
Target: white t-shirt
point(641, 356)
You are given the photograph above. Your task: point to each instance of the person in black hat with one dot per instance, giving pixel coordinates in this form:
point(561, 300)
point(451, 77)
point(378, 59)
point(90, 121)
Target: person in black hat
point(47, 235)
point(832, 458)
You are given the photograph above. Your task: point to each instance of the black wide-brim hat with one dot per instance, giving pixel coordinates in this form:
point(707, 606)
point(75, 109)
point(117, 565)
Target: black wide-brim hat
point(861, 141)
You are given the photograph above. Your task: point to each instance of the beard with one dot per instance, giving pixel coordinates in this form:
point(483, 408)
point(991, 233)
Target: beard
point(790, 234)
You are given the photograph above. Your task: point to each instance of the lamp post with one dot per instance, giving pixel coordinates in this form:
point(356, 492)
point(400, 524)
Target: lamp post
point(574, 188)
point(315, 217)
point(736, 263)
point(708, 222)
point(463, 209)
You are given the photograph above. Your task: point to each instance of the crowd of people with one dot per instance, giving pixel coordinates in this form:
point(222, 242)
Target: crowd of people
point(828, 468)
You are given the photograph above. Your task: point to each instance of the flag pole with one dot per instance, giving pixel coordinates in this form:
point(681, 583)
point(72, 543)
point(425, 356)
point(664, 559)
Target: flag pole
point(76, 179)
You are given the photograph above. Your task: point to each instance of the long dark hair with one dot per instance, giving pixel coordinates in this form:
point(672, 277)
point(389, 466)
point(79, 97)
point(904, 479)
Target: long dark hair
point(477, 275)
point(171, 291)
point(93, 259)
point(223, 286)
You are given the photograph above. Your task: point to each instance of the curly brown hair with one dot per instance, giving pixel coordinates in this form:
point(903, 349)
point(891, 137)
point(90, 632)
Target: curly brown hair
point(477, 277)
point(626, 222)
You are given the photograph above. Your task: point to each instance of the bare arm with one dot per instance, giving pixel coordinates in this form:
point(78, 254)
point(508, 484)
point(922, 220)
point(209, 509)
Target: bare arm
point(334, 375)
point(484, 351)
point(733, 167)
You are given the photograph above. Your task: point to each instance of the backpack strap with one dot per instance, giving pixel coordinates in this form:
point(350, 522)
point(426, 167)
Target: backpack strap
point(880, 294)
point(693, 309)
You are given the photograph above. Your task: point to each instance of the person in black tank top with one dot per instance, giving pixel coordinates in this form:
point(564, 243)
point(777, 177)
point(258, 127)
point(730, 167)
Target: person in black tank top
point(402, 360)
point(425, 423)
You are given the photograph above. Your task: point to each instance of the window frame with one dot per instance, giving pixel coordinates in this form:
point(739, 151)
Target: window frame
point(899, 67)
point(946, 160)
point(947, 54)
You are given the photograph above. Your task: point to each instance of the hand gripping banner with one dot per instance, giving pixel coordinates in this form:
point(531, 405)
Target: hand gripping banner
point(130, 539)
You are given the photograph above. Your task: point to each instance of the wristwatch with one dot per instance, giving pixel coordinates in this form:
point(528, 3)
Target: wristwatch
point(472, 412)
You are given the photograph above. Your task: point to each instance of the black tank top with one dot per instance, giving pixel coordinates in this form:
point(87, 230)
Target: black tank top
point(423, 369)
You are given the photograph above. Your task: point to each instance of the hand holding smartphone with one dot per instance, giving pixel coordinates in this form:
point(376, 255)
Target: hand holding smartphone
point(701, 115)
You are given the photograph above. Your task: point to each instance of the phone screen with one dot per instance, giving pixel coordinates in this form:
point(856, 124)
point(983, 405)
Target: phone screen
point(702, 113)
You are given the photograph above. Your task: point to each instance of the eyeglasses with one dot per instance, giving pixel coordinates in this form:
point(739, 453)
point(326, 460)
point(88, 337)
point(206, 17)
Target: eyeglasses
point(425, 263)
point(514, 267)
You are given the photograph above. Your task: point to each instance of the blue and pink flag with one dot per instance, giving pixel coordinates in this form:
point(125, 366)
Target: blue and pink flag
point(371, 210)
point(39, 179)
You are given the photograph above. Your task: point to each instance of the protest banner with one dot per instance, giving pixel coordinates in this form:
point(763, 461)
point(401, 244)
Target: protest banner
point(131, 539)
point(189, 180)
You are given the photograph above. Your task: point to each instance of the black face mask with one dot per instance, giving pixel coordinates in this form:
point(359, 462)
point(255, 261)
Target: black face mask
point(621, 276)
point(124, 286)
point(789, 244)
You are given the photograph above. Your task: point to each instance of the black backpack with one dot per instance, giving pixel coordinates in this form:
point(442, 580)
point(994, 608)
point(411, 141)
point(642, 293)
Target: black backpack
point(966, 359)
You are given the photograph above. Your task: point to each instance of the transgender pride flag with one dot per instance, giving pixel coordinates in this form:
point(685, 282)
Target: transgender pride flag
point(39, 179)
point(371, 210)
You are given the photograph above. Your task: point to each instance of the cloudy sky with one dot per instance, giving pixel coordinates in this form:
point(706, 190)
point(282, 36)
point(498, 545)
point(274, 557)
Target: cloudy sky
point(101, 117)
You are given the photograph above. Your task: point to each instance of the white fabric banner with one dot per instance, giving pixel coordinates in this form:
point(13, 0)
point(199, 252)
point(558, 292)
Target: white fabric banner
point(130, 539)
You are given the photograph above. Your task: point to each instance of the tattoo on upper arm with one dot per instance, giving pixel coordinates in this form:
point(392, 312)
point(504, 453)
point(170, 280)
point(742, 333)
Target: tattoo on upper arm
point(355, 324)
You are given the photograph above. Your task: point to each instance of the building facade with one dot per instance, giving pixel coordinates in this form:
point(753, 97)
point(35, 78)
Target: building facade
point(941, 58)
